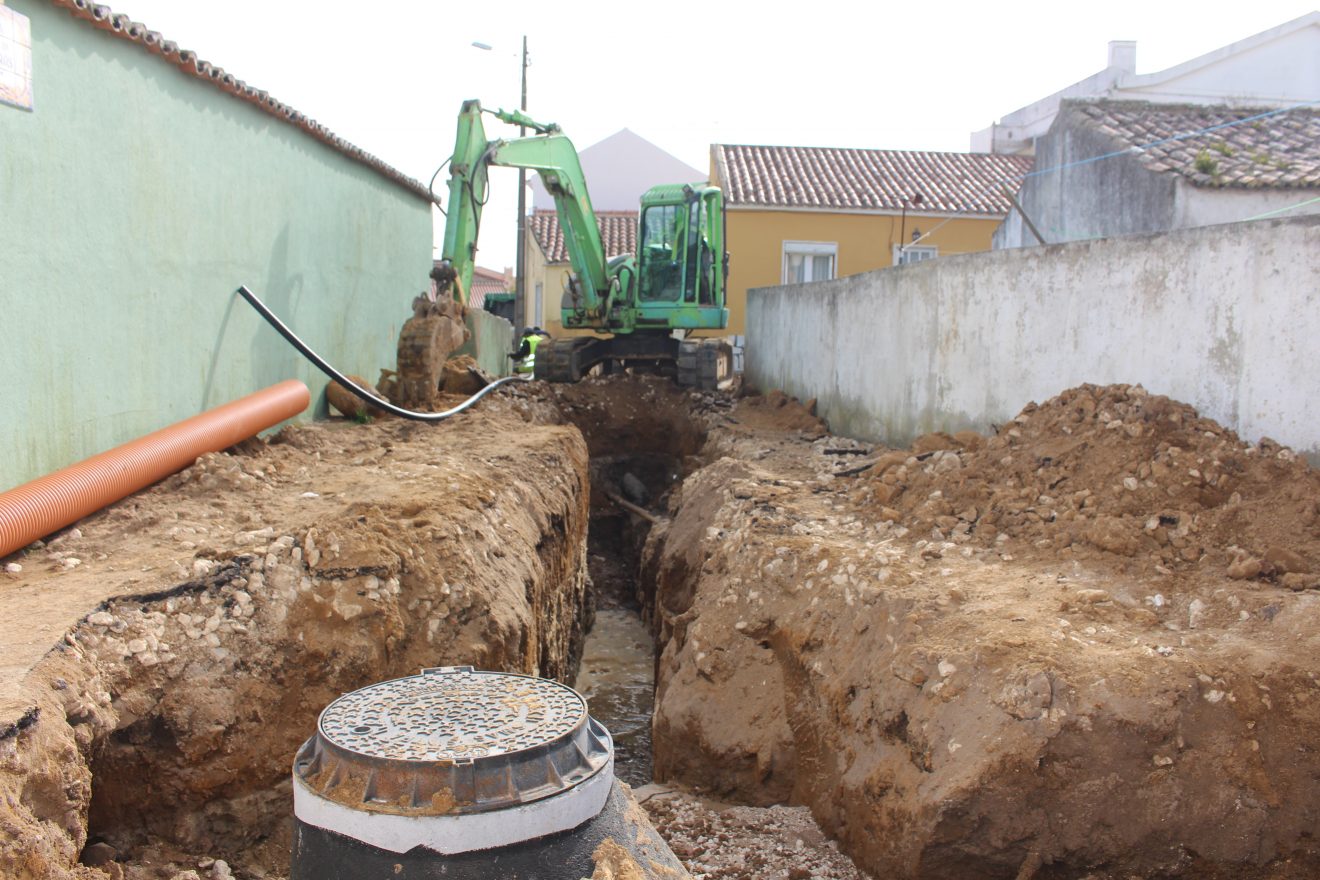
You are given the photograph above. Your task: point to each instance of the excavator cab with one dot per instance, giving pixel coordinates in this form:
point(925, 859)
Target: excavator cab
point(680, 269)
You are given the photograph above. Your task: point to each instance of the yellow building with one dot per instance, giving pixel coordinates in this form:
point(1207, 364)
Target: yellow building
point(799, 214)
point(548, 268)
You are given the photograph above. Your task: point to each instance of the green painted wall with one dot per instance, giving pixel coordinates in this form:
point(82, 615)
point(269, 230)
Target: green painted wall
point(491, 342)
point(133, 201)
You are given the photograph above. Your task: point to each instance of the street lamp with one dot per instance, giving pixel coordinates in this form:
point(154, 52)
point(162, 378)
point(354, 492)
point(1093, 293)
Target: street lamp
point(520, 283)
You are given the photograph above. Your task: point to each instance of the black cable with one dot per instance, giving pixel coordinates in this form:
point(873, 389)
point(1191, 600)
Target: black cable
point(343, 380)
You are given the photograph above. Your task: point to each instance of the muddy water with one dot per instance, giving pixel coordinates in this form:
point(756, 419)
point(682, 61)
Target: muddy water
point(617, 678)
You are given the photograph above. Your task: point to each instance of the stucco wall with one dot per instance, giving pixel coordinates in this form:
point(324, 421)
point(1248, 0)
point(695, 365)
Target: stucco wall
point(1223, 317)
point(1070, 202)
point(135, 199)
point(1119, 196)
point(491, 342)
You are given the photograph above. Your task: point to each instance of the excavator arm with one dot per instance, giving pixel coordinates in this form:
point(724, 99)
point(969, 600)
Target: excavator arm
point(549, 153)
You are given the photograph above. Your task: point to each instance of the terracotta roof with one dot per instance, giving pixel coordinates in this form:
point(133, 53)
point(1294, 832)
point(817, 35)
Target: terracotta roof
point(186, 60)
point(618, 232)
point(866, 180)
point(486, 281)
point(1281, 150)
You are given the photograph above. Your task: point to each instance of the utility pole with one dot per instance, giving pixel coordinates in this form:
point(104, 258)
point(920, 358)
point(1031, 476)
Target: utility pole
point(520, 281)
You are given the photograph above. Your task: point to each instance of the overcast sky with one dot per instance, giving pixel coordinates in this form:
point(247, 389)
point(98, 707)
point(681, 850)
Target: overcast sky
point(390, 75)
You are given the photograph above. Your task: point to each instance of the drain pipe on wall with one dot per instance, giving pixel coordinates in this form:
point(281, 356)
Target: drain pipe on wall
point(56, 500)
point(324, 366)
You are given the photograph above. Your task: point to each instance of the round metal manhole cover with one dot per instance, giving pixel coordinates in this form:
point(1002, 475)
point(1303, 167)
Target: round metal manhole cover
point(452, 715)
point(454, 740)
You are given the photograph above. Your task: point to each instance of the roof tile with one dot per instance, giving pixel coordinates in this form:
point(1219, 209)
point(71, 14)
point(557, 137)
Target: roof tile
point(867, 180)
point(618, 232)
point(1280, 150)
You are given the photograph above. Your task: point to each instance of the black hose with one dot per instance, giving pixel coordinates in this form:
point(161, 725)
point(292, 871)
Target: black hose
point(343, 380)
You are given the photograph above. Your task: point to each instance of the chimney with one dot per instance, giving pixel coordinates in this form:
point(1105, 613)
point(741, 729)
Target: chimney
point(1123, 55)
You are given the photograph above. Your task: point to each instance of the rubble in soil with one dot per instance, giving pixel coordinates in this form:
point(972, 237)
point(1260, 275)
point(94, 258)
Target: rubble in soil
point(163, 661)
point(1080, 648)
point(1117, 471)
point(731, 843)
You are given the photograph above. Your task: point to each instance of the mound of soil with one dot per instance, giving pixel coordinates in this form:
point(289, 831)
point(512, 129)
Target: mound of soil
point(1030, 655)
point(1117, 471)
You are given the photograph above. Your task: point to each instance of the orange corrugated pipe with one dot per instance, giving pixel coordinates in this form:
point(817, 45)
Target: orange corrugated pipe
point(56, 500)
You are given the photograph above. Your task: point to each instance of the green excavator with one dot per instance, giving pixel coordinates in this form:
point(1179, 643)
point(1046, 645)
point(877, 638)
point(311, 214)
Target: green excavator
point(639, 308)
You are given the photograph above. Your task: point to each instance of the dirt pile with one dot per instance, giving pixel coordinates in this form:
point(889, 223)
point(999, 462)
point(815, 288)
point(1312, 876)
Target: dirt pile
point(163, 661)
point(1118, 471)
point(956, 695)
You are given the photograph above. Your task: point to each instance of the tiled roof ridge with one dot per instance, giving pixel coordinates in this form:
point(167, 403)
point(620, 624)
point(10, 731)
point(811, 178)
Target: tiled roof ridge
point(611, 212)
point(1212, 145)
point(123, 26)
point(866, 150)
point(867, 178)
point(1189, 106)
point(618, 233)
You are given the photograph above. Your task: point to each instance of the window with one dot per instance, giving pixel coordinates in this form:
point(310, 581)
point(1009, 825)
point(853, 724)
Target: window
point(903, 256)
point(809, 261)
point(540, 305)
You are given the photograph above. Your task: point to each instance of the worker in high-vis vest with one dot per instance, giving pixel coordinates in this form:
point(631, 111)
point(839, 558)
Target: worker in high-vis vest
point(524, 359)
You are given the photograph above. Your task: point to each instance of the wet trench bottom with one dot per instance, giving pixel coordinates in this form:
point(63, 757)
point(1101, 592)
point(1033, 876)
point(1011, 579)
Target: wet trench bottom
point(617, 675)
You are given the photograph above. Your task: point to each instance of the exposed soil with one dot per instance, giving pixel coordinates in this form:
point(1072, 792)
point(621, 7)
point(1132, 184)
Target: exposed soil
point(724, 842)
point(198, 628)
point(1084, 647)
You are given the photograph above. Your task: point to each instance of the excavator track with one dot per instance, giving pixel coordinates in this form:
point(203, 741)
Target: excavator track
point(704, 363)
point(557, 361)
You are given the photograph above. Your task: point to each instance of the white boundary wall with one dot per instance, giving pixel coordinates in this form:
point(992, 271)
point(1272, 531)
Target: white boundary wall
point(1226, 318)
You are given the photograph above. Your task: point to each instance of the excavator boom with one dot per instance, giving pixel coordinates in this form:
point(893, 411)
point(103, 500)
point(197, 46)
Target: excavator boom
point(633, 303)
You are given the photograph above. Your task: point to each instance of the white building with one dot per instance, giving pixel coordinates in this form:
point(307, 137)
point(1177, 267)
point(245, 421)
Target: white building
point(619, 169)
point(1275, 68)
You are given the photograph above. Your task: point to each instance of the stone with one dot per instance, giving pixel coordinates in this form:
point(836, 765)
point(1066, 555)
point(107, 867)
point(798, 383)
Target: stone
point(1286, 561)
point(101, 618)
point(97, 854)
point(13, 568)
point(1244, 568)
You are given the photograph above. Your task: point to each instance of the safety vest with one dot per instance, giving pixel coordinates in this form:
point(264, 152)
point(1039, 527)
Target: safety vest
point(528, 364)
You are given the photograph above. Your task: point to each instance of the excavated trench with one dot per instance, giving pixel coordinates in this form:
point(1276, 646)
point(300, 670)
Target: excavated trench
point(162, 728)
point(960, 668)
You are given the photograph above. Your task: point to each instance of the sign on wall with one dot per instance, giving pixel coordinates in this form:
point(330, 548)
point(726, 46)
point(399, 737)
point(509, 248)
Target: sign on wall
point(15, 59)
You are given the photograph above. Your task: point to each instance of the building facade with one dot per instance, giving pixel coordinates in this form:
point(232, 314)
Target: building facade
point(1120, 167)
point(139, 190)
point(798, 214)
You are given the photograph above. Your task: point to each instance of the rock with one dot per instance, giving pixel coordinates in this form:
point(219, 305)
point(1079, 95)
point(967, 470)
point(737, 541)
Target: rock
point(462, 375)
point(1285, 561)
point(933, 442)
point(101, 618)
point(220, 870)
point(13, 568)
point(1299, 582)
point(97, 854)
point(1113, 534)
point(634, 489)
point(1244, 568)
point(1092, 597)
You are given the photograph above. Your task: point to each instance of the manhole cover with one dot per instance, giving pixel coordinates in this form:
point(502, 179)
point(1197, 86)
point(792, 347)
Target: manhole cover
point(452, 740)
